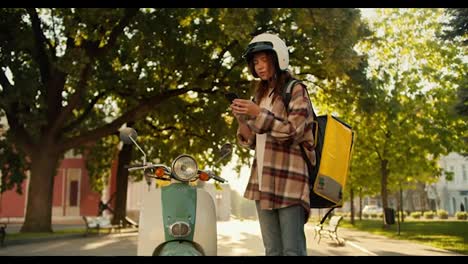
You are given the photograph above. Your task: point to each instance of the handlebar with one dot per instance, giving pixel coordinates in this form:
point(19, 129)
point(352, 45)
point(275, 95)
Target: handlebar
point(214, 176)
point(168, 170)
point(222, 180)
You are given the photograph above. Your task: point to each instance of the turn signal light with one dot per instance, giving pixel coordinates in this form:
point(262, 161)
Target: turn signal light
point(204, 176)
point(159, 172)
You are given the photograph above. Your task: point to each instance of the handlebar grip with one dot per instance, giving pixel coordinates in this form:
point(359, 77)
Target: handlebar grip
point(219, 179)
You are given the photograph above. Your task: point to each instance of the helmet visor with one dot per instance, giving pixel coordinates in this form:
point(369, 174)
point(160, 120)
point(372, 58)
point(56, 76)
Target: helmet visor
point(256, 47)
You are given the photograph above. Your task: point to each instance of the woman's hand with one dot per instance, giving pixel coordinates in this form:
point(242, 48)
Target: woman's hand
point(245, 107)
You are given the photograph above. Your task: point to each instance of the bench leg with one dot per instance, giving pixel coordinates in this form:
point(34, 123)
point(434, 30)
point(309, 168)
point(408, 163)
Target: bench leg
point(319, 236)
point(2, 235)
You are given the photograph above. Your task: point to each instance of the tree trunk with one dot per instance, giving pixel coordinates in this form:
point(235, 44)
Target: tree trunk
point(351, 197)
point(360, 204)
point(402, 214)
point(120, 211)
point(41, 186)
point(383, 185)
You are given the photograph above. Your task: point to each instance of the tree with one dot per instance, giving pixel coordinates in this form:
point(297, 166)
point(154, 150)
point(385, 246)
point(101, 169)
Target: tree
point(73, 77)
point(458, 31)
point(416, 76)
point(457, 25)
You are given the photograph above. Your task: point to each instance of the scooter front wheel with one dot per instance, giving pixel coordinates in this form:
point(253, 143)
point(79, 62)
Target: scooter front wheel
point(178, 248)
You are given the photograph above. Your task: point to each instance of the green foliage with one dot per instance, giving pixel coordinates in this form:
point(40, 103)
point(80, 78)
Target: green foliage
point(429, 214)
point(442, 214)
point(416, 215)
point(13, 167)
point(99, 159)
point(457, 25)
point(461, 215)
point(457, 30)
point(413, 79)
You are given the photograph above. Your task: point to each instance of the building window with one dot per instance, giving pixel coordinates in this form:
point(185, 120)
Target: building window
point(454, 204)
point(464, 172)
point(73, 193)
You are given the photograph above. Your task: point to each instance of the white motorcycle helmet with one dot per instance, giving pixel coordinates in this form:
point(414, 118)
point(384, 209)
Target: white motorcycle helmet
point(267, 41)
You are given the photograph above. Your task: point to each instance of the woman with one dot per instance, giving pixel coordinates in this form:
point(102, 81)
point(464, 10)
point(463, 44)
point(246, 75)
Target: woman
point(279, 177)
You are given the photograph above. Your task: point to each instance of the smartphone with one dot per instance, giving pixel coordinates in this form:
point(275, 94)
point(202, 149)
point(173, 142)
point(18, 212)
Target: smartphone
point(231, 96)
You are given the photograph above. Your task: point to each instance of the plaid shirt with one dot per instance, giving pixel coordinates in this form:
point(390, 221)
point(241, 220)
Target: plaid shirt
point(285, 180)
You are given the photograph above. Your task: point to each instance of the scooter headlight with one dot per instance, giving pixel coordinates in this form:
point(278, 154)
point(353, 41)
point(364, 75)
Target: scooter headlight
point(180, 229)
point(184, 168)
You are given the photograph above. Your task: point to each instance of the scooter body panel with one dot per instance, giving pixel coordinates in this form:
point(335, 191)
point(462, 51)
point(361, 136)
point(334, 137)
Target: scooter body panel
point(151, 224)
point(153, 218)
point(206, 234)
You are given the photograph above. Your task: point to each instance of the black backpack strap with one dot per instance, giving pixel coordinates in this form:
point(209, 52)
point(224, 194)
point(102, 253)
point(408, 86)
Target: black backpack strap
point(287, 92)
point(286, 99)
point(325, 216)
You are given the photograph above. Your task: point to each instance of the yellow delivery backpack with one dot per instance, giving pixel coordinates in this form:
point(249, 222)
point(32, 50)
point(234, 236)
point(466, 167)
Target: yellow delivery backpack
point(333, 142)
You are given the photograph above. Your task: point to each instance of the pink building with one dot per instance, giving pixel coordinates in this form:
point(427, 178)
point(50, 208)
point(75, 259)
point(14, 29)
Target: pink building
point(72, 198)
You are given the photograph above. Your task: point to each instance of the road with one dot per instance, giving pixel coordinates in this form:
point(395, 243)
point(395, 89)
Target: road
point(235, 238)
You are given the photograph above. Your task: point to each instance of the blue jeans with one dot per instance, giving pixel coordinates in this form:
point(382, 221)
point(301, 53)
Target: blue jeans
point(283, 230)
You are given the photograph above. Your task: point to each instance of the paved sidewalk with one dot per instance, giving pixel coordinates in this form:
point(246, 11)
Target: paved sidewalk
point(235, 238)
point(242, 238)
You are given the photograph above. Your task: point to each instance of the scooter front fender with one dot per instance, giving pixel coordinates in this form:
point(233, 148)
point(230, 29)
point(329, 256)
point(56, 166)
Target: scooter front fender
point(178, 248)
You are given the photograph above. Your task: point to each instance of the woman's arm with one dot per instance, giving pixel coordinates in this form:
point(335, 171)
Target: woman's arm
point(245, 136)
point(299, 114)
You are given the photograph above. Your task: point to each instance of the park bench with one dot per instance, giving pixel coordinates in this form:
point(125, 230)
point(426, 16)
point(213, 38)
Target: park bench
point(98, 223)
point(331, 230)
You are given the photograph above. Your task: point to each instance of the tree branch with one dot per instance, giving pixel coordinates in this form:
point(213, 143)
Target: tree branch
point(79, 119)
point(93, 51)
point(173, 128)
point(133, 114)
point(129, 14)
point(42, 59)
point(21, 136)
point(74, 101)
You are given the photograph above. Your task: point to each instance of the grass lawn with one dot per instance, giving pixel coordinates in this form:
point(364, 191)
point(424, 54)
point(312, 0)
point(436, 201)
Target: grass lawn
point(444, 234)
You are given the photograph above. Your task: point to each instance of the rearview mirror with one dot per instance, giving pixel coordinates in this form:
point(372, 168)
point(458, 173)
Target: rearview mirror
point(225, 150)
point(127, 134)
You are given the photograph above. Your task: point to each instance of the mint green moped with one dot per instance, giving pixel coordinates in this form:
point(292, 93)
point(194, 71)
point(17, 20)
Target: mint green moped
point(178, 219)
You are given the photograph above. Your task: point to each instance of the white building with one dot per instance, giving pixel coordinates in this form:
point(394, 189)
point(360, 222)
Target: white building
point(451, 196)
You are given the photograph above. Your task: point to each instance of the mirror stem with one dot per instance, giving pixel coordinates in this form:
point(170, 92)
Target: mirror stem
point(220, 159)
point(138, 146)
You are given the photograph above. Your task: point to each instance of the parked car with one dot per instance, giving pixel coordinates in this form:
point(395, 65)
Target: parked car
point(372, 209)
